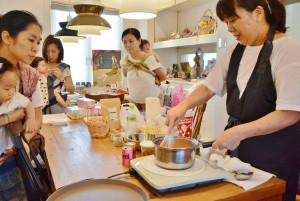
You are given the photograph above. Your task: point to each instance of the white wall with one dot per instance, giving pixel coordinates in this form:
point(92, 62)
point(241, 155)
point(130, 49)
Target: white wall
point(292, 20)
point(215, 116)
point(40, 8)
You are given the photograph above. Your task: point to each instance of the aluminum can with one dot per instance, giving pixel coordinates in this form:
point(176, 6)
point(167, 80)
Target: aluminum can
point(127, 153)
point(132, 144)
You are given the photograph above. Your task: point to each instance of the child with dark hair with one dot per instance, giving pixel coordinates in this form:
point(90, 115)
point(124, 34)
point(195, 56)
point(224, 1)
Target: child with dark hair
point(39, 64)
point(145, 47)
point(10, 100)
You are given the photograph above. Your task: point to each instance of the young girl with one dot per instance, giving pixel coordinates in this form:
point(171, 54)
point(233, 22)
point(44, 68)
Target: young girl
point(40, 65)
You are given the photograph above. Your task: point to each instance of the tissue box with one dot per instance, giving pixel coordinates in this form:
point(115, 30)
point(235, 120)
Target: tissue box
point(85, 102)
point(77, 113)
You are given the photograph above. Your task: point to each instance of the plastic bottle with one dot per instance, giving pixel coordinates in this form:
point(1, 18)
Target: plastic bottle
point(131, 119)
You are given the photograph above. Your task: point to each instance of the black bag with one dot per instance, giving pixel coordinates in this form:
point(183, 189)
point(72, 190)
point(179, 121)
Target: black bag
point(37, 147)
point(50, 84)
point(34, 189)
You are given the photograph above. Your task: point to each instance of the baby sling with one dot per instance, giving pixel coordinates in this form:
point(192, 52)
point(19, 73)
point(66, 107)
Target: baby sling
point(51, 88)
point(138, 66)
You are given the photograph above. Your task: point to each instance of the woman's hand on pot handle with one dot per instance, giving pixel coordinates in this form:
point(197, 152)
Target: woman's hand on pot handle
point(228, 139)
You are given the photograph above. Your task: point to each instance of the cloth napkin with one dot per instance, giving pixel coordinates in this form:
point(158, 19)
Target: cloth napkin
point(55, 119)
point(232, 164)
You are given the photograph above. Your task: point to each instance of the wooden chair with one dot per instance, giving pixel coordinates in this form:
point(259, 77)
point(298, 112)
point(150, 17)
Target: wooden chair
point(197, 119)
point(98, 97)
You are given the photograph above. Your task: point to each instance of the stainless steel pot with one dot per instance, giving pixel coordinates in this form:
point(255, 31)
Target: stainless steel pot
point(180, 156)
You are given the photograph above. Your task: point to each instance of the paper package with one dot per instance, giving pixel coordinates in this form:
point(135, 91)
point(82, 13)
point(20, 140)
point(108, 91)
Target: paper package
point(77, 112)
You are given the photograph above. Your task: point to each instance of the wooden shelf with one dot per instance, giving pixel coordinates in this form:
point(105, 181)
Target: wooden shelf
point(196, 40)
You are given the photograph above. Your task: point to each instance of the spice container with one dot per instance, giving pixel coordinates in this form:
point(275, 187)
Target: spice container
point(117, 140)
point(147, 148)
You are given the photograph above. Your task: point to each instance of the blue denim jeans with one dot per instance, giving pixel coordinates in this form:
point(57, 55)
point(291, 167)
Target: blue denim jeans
point(11, 182)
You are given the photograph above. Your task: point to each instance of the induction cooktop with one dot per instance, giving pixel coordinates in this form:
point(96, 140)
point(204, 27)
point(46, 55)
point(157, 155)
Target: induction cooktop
point(164, 180)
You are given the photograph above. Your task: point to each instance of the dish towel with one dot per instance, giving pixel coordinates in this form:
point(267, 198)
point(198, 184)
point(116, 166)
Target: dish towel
point(231, 165)
point(56, 119)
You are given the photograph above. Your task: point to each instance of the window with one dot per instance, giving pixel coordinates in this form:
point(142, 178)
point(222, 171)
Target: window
point(79, 55)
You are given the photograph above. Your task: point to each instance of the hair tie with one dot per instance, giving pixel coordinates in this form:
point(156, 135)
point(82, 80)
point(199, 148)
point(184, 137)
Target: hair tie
point(269, 7)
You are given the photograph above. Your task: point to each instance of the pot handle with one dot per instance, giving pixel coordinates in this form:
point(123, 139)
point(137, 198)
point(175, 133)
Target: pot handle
point(205, 144)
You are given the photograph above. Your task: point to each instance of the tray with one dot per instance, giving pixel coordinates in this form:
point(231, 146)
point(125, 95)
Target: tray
point(100, 189)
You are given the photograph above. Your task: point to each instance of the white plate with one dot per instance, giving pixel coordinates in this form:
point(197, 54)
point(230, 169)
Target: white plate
point(149, 164)
point(100, 189)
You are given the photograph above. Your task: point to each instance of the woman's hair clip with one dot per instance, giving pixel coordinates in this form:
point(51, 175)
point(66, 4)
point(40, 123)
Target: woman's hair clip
point(269, 7)
point(1, 65)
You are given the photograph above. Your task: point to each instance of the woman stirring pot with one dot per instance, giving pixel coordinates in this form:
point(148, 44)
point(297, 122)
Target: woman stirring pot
point(261, 77)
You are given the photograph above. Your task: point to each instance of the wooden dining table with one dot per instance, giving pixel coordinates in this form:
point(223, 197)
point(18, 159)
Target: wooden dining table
point(74, 156)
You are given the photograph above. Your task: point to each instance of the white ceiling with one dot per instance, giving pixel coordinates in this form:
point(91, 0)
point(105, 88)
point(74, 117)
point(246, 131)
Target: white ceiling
point(97, 2)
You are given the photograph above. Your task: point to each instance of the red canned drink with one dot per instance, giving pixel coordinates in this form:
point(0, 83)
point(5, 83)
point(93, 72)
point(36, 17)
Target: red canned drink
point(132, 144)
point(127, 153)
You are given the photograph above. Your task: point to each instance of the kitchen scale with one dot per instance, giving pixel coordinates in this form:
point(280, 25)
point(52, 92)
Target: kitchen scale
point(164, 180)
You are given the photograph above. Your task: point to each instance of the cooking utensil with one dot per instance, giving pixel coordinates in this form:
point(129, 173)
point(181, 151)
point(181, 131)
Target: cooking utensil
point(180, 156)
point(243, 175)
point(167, 141)
point(137, 138)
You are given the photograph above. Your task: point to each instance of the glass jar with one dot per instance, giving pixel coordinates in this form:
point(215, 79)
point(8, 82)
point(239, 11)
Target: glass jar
point(118, 140)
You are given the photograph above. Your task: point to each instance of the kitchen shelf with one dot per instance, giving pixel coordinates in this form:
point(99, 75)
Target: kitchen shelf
point(207, 39)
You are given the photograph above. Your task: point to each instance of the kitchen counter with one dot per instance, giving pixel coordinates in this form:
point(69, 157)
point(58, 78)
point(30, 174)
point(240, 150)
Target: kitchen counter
point(73, 156)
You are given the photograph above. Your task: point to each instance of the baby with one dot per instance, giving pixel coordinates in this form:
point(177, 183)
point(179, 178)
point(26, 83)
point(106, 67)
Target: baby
point(10, 100)
point(145, 47)
point(39, 64)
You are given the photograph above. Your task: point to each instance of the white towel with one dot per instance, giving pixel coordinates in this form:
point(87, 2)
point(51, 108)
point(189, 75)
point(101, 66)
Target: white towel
point(229, 164)
point(56, 119)
point(234, 164)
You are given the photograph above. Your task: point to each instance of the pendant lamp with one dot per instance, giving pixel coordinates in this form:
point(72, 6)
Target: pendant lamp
point(67, 35)
point(88, 21)
point(138, 9)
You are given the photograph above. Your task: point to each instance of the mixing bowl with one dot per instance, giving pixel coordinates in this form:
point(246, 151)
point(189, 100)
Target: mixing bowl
point(137, 138)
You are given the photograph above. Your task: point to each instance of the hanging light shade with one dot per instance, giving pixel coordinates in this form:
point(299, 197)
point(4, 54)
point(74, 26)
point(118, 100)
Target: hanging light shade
point(88, 20)
point(138, 9)
point(67, 35)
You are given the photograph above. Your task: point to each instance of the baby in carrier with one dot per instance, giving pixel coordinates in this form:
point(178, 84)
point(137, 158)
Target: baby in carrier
point(50, 95)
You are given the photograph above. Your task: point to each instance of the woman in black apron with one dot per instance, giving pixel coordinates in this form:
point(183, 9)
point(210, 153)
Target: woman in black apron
point(264, 112)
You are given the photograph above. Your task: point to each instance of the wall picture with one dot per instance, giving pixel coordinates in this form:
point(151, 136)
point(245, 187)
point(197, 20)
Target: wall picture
point(102, 59)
